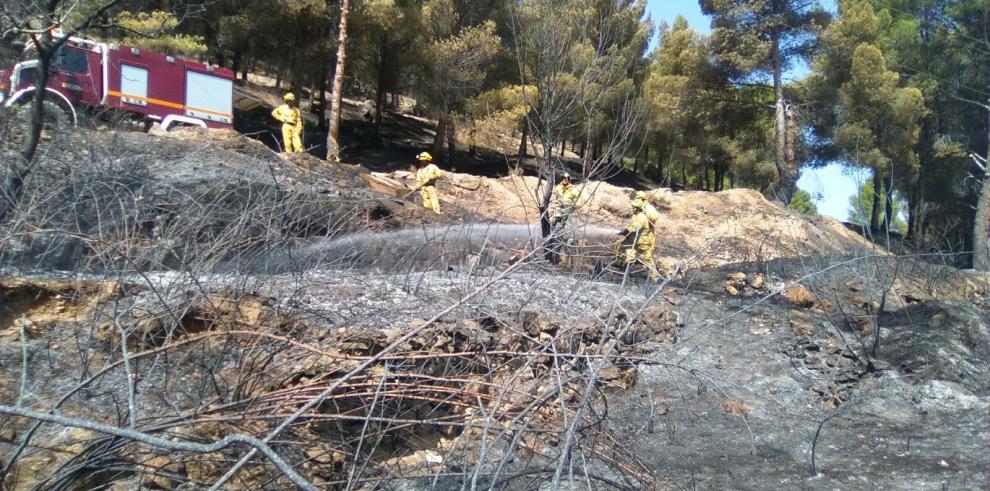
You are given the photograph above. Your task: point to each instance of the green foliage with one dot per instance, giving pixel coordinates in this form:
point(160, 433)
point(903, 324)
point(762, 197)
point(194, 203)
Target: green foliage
point(802, 203)
point(155, 31)
point(383, 45)
point(586, 60)
point(746, 33)
point(861, 209)
point(499, 112)
point(456, 64)
point(701, 122)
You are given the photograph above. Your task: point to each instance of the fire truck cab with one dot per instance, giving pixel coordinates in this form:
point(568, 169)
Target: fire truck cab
point(86, 74)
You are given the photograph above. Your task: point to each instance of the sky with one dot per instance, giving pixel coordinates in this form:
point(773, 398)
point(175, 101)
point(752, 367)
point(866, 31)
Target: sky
point(830, 186)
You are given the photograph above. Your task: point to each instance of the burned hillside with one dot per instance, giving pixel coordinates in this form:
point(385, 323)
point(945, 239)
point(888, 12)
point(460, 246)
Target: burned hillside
point(190, 309)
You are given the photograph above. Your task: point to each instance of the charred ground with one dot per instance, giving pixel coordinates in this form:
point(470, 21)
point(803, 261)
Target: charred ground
point(239, 285)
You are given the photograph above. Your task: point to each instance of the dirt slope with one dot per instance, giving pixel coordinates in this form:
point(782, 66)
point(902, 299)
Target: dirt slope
point(733, 226)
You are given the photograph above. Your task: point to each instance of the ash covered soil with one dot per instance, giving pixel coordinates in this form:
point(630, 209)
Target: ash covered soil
point(249, 282)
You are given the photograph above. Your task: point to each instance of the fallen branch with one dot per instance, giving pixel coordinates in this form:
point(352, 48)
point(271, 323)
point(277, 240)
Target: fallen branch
point(257, 445)
point(316, 401)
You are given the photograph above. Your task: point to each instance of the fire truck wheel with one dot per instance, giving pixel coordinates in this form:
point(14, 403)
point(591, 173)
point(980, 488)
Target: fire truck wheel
point(56, 117)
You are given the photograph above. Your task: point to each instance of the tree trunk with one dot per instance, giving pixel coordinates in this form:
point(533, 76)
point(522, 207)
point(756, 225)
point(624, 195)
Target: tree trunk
point(660, 164)
point(473, 139)
point(522, 142)
point(913, 201)
point(786, 177)
point(380, 88)
point(451, 139)
point(13, 183)
point(323, 97)
point(981, 229)
point(545, 226)
point(235, 63)
point(981, 223)
point(337, 97)
point(875, 207)
point(888, 210)
point(437, 146)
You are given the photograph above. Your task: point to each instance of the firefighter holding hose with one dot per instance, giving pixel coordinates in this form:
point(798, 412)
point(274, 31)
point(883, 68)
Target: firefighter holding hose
point(426, 181)
point(565, 198)
point(292, 123)
point(640, 239)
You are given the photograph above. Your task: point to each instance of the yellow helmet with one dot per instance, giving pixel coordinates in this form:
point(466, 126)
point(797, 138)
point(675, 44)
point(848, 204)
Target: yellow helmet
point(289, 97)
point(424, 157)
point(639, 200)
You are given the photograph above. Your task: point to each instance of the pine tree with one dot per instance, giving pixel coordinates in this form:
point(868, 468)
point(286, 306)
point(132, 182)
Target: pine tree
point(802, 203)
point(763, 37)
point(971, 36)
point(874, 122)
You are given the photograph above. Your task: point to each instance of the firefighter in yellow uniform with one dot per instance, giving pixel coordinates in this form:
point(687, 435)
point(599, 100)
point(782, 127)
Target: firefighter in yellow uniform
point(426, 181)
point(641, 235)
point(565, 198)
point(292, 123)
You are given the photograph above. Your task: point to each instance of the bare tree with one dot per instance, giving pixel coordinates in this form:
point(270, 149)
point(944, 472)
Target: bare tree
point(337, 94)
point(580, 62)
point(39, 21)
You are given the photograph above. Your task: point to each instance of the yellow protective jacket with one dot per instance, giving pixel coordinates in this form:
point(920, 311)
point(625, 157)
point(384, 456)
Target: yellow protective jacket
point(288, 115)
point(428, 176)
point(566, 196)
point(641, 227)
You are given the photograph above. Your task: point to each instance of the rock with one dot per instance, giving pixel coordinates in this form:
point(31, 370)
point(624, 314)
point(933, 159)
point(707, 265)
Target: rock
point(323, 455)
point(433, 458)
point(757, 282)
point(735, 283)
point(157, 130)
point(801, 327)
point(530, 322)
point(163, 463)
point(735, 278)
point(656, 323)
point(799, 296)
point(610, 372)
point(736, 407)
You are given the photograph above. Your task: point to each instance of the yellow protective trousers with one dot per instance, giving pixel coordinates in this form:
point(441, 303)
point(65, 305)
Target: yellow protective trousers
point(642, 252)
point(431, 200)
point(292, 136)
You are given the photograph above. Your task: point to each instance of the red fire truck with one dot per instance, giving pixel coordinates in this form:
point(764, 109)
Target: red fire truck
point(87, 74)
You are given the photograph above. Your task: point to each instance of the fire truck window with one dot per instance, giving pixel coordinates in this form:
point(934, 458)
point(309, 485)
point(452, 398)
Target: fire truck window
point(28, 76)
point(72, 60)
